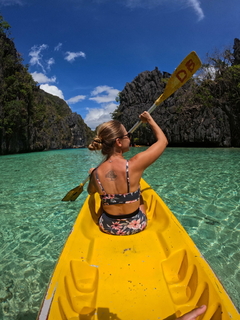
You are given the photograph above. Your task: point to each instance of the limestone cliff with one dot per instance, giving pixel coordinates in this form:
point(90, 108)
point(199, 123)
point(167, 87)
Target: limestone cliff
point(31, 119)
point(202, 113)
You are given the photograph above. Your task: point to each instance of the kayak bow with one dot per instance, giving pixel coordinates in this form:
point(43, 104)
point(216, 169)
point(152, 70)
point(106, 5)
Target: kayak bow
point(155, 274)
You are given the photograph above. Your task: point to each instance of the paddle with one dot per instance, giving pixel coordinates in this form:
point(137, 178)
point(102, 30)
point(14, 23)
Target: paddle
point(179, 77)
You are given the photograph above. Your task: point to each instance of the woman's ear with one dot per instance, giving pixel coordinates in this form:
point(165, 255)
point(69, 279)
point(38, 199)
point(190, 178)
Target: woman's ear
point(118, 142)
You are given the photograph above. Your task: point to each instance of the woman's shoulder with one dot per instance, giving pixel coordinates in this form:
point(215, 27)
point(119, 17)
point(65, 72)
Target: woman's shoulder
point(140, 161)
point(135, 158)
point(135, 162)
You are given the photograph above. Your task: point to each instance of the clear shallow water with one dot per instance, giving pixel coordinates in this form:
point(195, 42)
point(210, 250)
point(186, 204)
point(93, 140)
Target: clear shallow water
point(201, 187)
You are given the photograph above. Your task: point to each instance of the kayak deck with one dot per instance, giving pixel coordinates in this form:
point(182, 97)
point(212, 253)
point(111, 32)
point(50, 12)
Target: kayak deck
point(155, 274)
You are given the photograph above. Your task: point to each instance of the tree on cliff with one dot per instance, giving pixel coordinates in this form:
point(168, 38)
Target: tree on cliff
point(222, 90)
point(4, 26)
point(204, 112)
point(31, 119)
point(16, 90)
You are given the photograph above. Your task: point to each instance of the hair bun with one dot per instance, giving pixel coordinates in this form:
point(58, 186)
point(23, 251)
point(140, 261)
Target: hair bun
point(96, 144)
point(98, 140)
point(106, 136)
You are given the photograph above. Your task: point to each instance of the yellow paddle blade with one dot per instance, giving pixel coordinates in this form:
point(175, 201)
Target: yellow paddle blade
point(181, 75)
point(74, 193)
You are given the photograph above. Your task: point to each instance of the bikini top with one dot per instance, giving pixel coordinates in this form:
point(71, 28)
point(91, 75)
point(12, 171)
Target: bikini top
point(129, 197)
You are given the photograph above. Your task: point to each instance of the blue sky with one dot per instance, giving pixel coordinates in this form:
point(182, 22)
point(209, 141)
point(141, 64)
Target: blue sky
point(85, 51)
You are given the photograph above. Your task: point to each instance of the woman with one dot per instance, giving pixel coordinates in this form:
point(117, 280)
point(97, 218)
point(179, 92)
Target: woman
point(117, 180)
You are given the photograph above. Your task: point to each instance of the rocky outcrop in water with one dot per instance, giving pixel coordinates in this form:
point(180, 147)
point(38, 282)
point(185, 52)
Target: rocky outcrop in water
point(31, 119)
point(200, 114)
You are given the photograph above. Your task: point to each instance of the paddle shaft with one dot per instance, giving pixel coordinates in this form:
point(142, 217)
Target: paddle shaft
point(180, 76)
point(138, 123)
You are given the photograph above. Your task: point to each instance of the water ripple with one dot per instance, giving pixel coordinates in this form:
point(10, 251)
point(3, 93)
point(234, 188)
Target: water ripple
point(201, 187)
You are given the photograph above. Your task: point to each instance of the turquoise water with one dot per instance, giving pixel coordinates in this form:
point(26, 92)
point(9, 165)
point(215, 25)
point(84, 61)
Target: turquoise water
point(201, 186)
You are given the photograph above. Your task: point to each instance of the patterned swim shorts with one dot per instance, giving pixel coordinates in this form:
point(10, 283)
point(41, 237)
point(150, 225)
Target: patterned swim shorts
point(123, 225)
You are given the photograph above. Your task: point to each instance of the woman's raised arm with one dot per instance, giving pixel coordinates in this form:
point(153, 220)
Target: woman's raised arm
point(146, 158)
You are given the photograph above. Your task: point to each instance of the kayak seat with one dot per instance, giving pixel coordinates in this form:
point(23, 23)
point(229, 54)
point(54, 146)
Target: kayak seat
point(153, 209)
point(182, 278)
point(80, 285)
point(174, 268)
point(84, 276)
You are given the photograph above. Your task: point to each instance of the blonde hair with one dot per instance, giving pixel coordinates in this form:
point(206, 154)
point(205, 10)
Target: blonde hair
point(107, 133)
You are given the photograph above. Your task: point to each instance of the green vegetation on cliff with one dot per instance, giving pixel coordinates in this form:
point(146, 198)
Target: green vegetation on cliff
point(204, 112)
point(31, 119)
point(218, 86)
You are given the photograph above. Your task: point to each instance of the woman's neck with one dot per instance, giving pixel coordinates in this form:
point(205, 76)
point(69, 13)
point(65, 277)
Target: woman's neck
point(114, 156)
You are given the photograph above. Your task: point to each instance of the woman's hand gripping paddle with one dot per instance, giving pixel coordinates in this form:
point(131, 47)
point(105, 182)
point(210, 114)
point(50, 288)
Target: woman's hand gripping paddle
point(180, 76)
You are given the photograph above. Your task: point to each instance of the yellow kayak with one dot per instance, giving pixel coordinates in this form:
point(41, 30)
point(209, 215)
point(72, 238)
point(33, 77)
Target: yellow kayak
point(155, 274)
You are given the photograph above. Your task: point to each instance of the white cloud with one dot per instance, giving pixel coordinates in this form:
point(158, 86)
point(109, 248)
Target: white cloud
point(42, 78)
point(195, 4)
point(71, 56)
point(37, 60)
point(58, 47)
point(36, 56)
point(97, 116)
point(110, 94)
point(52, 90)
point(75, 99)
point(207, 73)
point(50, 62)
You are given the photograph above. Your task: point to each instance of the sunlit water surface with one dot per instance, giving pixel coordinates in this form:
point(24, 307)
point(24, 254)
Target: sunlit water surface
point(200, 186)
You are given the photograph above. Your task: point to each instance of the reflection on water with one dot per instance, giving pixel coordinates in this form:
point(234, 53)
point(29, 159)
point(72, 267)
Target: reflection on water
point(201, 187)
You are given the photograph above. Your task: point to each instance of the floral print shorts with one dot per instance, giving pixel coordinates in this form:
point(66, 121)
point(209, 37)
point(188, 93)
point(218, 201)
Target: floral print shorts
point(123, 225)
